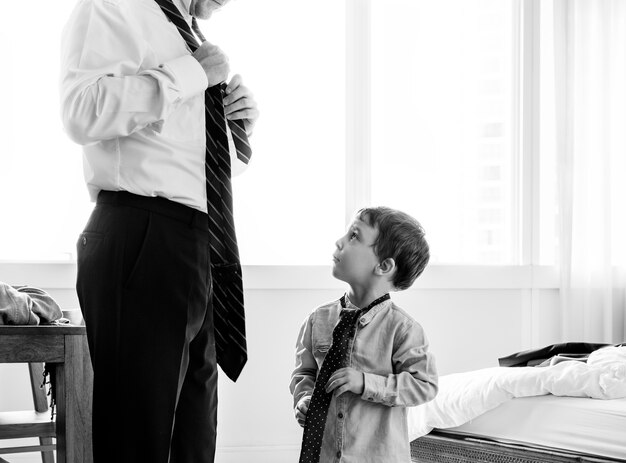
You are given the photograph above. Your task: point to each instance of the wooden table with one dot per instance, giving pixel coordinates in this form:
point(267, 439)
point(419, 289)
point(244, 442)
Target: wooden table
point(66, 346)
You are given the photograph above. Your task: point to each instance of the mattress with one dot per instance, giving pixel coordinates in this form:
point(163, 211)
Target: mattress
point(582, 425)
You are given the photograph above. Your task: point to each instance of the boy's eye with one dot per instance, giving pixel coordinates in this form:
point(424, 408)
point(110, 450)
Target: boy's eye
point(353, 235)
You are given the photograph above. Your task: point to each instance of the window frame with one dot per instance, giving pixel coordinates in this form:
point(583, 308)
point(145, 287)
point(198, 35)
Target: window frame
point(529, 169)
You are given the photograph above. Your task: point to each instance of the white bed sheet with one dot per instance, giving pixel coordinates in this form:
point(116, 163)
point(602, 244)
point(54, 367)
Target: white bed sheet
point(465, 396)
point(584, 425)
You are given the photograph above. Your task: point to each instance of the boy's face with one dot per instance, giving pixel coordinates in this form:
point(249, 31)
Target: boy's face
point(354, 259)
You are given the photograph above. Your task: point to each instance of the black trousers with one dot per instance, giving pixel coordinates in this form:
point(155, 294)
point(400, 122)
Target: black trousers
point(143, 285)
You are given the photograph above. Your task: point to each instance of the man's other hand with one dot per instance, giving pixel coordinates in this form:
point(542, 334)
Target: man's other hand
point(239, 103)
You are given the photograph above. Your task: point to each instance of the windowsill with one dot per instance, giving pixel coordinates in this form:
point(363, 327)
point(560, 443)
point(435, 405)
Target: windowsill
point(62, 275)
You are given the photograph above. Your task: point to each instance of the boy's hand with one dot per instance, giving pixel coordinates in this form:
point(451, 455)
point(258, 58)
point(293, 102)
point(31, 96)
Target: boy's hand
point(301, 409)
point(344, 380)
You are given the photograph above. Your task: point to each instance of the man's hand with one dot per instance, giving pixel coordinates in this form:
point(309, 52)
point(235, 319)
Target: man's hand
point(213, 61)
point(301, 409)
point(344, 380)
point(239, 103)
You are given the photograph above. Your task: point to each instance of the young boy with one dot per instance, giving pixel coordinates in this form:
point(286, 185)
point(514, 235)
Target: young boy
point(361, 360)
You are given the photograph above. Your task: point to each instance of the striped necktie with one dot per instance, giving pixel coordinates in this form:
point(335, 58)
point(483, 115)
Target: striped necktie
point(227, 295)
point(337, 357)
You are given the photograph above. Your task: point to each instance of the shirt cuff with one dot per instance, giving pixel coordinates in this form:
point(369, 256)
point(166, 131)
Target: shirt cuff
point(372, 387)
point(189, 75)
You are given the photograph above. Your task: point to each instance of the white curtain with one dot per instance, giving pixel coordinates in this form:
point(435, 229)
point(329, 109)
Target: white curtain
point(590, 90)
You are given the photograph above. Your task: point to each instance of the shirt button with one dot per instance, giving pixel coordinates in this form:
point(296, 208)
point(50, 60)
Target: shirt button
point(363, 320)
point(340, 416)
point(339, 454)
point(84, 240)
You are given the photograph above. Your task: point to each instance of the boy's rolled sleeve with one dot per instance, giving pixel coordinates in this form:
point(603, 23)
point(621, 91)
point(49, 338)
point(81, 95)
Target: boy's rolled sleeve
point(416, 379)
point(305, 372)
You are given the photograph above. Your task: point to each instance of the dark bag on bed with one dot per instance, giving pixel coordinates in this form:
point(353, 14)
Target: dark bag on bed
point(534, 357)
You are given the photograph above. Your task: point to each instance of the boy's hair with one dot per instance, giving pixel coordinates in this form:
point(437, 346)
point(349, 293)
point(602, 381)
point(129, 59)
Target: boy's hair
point(400, 237)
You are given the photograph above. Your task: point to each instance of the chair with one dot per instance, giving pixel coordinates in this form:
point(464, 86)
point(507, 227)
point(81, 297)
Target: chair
point(64, 346)
point(31, 423)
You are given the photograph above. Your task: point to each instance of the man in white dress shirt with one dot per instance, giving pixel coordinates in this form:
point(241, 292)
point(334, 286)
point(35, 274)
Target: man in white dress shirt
point(132, 93)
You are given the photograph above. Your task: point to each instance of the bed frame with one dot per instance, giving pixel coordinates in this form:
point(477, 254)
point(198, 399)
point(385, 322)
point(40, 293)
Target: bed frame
point(445, 447)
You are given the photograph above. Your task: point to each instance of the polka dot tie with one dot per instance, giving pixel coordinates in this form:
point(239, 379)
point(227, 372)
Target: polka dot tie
point(336, 358)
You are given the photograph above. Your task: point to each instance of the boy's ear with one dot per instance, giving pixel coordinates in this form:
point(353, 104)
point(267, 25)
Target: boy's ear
point(386, 267)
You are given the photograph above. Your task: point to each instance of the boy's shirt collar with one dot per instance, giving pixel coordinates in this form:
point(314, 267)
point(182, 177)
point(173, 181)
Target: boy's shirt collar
point(370, 314)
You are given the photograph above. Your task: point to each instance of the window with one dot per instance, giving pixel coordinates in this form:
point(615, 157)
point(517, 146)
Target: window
point(444, 127)
point(289, 205)
point(408, 103)
point(42, 195)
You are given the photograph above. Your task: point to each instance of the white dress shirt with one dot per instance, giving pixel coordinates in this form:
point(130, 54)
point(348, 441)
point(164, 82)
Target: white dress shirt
point(133, 96)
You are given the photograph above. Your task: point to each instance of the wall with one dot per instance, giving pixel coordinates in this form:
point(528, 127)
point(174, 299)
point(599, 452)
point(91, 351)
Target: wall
point(472, 315)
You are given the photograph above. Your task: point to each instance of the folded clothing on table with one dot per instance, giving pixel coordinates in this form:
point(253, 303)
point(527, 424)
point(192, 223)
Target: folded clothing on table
point(26, 305)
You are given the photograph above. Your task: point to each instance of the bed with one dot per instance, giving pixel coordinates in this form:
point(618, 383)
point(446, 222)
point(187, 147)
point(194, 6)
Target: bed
point(569, 412)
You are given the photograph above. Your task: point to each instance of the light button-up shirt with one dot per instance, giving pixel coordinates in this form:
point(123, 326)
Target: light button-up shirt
point(391, 350)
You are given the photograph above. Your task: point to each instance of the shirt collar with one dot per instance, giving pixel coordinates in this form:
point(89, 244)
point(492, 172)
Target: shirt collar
point(370, 314)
